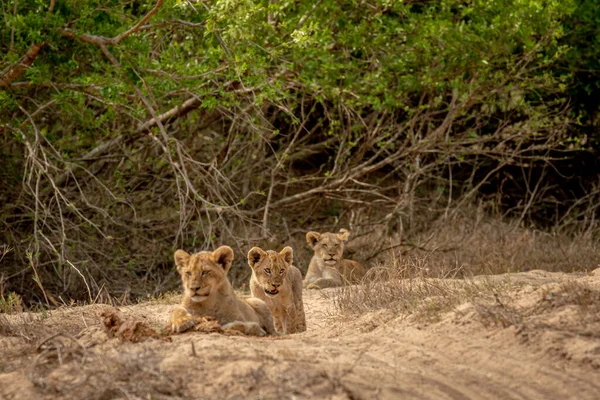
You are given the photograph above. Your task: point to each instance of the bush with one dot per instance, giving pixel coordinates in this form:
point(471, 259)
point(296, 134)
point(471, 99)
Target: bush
point(131, 129)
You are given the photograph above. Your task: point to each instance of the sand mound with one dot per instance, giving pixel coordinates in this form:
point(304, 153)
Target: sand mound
point(537, 340)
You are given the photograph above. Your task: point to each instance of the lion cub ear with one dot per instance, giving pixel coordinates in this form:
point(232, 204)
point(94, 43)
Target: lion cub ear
point(182, 259)
point(288, 255)
point(312, 238)
point(255, 255)
point(224, 257)
point(343, 235)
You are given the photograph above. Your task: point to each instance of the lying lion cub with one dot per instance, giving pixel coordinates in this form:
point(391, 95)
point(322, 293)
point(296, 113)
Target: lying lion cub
point(207, 292)
point(276, 281)
point(327, 268)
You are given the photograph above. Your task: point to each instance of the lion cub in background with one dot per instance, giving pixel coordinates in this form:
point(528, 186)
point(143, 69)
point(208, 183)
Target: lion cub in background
point(279, 284)
point(207, 292)
point(327, 268)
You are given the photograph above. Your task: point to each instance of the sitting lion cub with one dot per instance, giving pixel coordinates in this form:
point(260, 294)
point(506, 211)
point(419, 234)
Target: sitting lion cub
point(207, 292)
point(327, 268)
point(276, 281)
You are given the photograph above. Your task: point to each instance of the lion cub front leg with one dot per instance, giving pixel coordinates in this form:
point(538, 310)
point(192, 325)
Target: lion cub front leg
point(323, 283)
point(299, 316)
point(181, 320)
point(247, 328)
point(300, 320)
point(290, 320)
point(307, 281)
point(331, 278)
point(279, 324)
point(264, 315)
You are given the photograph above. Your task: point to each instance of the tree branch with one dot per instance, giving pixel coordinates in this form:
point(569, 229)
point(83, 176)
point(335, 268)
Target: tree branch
point(307, 16)
point(103, 42)
point(141, 22)
point(16, 70)
point(101, 149)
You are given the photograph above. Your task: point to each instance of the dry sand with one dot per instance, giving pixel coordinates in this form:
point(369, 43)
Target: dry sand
point(542, 344)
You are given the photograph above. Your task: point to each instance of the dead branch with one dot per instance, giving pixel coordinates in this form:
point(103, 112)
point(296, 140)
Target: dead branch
point(175, 112)
point(280, 161)
point(45, 340)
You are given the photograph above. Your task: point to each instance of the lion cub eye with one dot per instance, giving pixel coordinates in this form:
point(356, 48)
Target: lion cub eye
point(188, 274)
point(268, 271)
point(325, 245)
point(281, 272)
point(204, 273)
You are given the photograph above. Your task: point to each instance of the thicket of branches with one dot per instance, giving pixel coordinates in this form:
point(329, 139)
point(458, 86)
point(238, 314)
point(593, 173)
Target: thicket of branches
point(131, 129)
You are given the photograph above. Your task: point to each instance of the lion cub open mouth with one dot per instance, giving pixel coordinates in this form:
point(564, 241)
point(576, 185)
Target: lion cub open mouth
point(271, 292)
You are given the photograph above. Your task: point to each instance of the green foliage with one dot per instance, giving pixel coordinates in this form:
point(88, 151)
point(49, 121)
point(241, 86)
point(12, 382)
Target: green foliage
point(380, 55)
point(582, 59)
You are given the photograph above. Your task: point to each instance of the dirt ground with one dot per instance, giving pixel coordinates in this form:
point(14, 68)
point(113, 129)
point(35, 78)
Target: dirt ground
point(540, 340)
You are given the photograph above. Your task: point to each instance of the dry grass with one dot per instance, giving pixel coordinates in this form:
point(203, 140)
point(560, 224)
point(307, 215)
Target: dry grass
point(564, 321)
point(432, 270)
point(171, 297)
point(581, 297)
point(498, 313)
point(556, 314)
point(406, 288)
point(26, 325)
point(434, 273)
point(480, 244)
point(470, 241)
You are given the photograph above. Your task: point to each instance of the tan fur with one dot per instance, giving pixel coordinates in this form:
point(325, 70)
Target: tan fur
point(279, 284)
point(207, 292)
point(327, 267)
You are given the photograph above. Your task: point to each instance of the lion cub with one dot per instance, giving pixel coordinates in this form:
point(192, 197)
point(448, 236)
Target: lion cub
point(207, 292)
point(276, 281)
point(327, 268)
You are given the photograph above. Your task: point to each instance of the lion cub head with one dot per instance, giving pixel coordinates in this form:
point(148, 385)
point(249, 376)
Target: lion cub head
point(328, 246)
point(203, 273)
point(270, 267)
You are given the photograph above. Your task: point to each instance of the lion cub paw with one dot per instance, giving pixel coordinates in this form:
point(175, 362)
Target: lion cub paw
point(182, 323)
point(313, 286)
point(247, 328)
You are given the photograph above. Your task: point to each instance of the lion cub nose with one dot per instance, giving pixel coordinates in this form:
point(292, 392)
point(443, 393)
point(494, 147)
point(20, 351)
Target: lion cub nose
point(276, 285)
point(195, 287)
